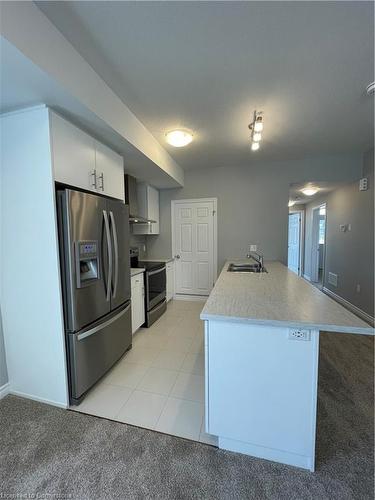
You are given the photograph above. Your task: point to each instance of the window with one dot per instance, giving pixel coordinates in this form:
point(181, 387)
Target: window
point(322, 231)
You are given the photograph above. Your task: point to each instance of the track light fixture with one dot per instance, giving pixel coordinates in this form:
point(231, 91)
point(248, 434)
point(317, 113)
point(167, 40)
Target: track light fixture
point(256, 127)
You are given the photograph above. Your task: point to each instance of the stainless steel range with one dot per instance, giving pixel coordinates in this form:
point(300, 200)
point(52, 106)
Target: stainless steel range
point(155, 286)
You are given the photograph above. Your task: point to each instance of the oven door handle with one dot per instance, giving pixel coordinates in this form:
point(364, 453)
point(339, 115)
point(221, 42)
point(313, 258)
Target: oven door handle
point(151, 273)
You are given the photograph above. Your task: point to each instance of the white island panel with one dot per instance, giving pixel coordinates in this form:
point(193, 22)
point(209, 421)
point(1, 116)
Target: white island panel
point(261, 391)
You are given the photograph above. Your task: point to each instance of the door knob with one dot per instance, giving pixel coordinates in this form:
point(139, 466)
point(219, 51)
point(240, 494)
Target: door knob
point(176, 256)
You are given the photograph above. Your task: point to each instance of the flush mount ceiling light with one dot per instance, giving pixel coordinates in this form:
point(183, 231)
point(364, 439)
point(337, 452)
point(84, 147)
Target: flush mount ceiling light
point(179, 138)
point(310, 191)
point(256, 127)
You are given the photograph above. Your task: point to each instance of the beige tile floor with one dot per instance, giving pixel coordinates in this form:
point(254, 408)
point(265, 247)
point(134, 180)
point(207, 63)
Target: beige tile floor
point(159, 384)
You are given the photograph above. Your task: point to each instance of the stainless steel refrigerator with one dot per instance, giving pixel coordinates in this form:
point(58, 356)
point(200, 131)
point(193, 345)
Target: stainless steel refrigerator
point(95, 265)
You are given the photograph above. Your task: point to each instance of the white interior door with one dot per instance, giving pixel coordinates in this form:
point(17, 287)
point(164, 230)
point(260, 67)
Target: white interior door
point(294, 233)
point(193, 229)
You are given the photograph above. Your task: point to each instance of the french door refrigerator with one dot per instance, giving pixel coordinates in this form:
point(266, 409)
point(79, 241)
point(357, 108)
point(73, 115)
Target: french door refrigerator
point(94, 250)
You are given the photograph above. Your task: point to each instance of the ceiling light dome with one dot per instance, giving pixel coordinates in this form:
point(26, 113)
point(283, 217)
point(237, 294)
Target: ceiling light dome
point(309, 191)
point(179, 138)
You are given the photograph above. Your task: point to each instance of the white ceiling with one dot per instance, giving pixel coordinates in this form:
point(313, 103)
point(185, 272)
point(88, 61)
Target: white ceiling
point(207, 65)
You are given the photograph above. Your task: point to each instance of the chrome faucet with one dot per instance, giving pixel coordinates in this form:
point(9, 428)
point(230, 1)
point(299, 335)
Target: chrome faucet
point(258, 257)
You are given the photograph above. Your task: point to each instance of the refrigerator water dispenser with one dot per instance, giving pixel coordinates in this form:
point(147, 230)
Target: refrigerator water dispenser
point(87, 262)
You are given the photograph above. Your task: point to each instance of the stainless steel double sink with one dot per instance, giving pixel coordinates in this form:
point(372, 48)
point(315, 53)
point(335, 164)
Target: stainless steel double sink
point(245, 268)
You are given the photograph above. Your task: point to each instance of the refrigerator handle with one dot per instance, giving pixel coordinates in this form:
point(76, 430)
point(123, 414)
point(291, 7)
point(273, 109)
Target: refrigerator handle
point(109, 248)
point(115, 244)
point(96, 329)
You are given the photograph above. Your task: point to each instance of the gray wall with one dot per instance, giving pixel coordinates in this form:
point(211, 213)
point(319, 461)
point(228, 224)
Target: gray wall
point(252, 202)
point(3, 366)
point(349, 254)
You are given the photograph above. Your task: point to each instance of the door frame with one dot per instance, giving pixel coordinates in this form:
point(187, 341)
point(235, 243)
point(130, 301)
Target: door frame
point(196, 200)
point(315, 239)
point(301, 212)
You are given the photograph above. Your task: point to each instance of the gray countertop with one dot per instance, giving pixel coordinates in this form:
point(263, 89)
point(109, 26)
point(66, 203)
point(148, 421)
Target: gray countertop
point(136, 270)
point(278, 298)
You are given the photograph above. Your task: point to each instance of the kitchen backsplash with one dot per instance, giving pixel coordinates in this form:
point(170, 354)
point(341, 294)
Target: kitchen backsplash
point(140, 242)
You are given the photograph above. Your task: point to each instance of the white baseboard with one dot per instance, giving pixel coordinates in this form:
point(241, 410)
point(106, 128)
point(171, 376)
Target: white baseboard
point(178, 296)
point(348, 305)
point(275, 455)
point(306, 277)
point(37, 398)
point(4, 390)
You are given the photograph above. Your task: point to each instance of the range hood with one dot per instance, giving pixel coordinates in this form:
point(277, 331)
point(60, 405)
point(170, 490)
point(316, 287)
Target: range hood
point(131, 199)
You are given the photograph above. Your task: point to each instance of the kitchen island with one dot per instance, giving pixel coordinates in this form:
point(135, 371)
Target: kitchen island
point(261, 357)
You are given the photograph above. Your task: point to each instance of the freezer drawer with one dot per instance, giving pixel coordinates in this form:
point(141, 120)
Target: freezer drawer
point(92, 351)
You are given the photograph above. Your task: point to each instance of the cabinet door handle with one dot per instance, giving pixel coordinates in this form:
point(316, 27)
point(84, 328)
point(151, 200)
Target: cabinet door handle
point(101, 179)
point(93, 178)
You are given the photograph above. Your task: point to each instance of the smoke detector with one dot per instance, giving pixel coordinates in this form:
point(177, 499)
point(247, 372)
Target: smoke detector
point(370, 89)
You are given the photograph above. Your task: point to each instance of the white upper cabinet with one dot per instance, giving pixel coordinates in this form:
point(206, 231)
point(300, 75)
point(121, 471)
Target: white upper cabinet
point(73, 154)
point(109, 171)
point(148, 207)
point(81, 161)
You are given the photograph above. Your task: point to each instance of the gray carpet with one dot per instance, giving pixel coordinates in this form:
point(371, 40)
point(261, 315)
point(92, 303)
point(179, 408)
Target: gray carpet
point(53, 453)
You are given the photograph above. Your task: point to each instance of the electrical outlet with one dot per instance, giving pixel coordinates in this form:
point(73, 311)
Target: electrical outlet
point(299, 334)
point(253, 248)
point(358, 288)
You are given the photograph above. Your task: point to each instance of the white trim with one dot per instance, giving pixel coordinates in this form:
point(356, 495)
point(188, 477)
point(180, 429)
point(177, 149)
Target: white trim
point(23, 110)
point(36, 398)
point(4, 390)
point(206, 376)
point(301, 237)
point(314, 251)
point(306, 277)
point(180, 296)
point(275, 455)
point(197, 200)
point(313, 209)
point(302, 242)
point(315, 334)
point(348, 305)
